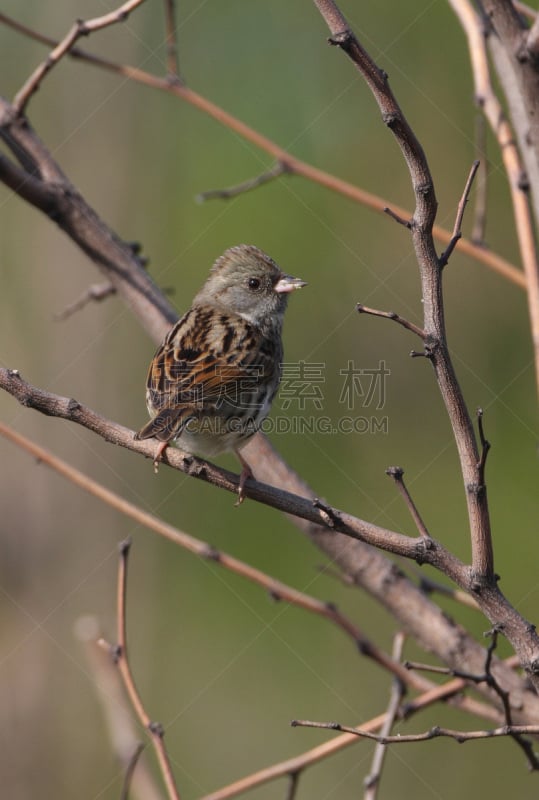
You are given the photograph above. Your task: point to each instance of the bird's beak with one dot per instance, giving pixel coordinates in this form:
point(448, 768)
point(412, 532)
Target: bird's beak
point(287, 283)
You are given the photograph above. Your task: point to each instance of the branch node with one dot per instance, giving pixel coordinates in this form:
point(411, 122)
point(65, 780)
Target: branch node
point(327, 513)
point(211, 553)
point(124, 547)
point(340, 39)
point(157, 729)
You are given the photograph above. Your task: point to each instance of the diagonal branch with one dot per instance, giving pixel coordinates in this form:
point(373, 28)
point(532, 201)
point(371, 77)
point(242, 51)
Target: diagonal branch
point(79, 28)
point(293, 165)
point(320, 521)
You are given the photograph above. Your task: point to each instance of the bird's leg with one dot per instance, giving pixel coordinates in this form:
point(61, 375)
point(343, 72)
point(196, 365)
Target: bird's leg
point(246, 473)
point(159, 455)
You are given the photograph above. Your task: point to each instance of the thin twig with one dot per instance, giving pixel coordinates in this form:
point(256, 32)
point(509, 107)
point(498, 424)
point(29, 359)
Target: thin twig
point(128, 777)
point(372, 781)
point(120, 655)
point(278, 169)
point(485, 446)
point(173, 66)
point(478, 235)
point(494, 112)
point(295, 166)
point(94, 293)
point(429, 586)
point(405, 222)
point(397, 474)
point(489, 679)
point(375, 312)
point(293, 785)
point(433, 733)
point(457, 228)
point(79, 28)
point(120, 722)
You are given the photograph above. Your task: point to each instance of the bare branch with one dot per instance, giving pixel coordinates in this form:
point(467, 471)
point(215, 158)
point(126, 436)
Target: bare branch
point(429, 586)
point(457, 229)
point(431, 283)
point(418, 549)
point(433, 733)
point(372, 781)
point(128, 777)
point(362, 309)
point(397, 474)
point(173, 67)
point(80, 28)
point(94, 293)
point(478, 235)
point(278, 169)
point(120, 655)
point(294, 166)
point(529, 141)
point(123, 735)
point(405, 222)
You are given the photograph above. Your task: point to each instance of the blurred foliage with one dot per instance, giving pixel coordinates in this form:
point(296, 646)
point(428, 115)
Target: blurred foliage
point(217, 662)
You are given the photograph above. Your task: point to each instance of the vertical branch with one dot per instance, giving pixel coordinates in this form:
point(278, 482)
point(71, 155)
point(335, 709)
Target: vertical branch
point(120, 652)
point(431, 281)
point(372, 781)
point(173, 67)
point(518, 185)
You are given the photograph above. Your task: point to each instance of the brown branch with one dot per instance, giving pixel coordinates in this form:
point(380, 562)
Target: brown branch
point(120, 655)
point(95, 293)
point(416, 548)
point(430, 586)
point(130, 771)
point(294, 166)
point(486, 98)
point(271, 174)
point(372, 781)
point(431, 282)
point(457, 228)
point(42, 183)
point(314, 756)
point(306, 512)
point(173, 67)
point(276, 589)
point(397, 474)
point(79, 28)
point(124, 738)
point(479, 226)
point(362, 309)
point(433, 733)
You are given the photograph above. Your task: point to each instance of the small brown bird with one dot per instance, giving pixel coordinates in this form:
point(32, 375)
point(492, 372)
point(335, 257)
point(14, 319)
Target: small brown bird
point(212, 381)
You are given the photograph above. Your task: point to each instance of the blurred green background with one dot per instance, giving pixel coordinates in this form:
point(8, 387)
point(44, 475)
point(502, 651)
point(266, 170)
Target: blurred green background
point(221, 666)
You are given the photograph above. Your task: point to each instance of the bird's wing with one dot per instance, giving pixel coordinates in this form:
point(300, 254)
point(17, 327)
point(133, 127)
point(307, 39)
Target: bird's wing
point(208, 357)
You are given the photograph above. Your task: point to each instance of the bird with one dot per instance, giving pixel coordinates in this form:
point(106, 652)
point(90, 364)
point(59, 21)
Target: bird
point(211, 383)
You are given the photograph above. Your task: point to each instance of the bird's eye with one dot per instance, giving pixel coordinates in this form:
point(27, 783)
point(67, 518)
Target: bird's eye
point(253, 284)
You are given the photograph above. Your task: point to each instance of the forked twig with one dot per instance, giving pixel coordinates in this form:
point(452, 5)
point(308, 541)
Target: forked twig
point(120, 655)
point(457, 228)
